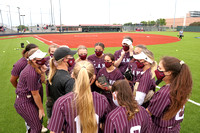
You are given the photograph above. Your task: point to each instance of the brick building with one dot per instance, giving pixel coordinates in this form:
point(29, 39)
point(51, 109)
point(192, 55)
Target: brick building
point(192, 16)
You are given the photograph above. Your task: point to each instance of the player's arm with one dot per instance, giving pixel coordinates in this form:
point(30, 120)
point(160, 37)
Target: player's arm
point(13, 80)
point(93, 79)
point(118, 61)
point(148, 111)
point(131, 50)
point(38, 101)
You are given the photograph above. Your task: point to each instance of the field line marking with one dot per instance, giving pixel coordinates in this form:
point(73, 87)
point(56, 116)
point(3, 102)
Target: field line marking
point(189, 100)
point(37, 37)
point(27, 41)
point(39, 40)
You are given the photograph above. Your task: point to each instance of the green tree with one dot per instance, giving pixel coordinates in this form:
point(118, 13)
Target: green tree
point(144, 23)
point(22, 27)
point(128, 24)
point(160, 22)
point(195, 24)
point(153, 23)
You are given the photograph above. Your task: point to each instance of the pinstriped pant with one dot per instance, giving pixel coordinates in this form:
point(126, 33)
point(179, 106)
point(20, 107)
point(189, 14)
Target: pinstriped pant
point(30, 113)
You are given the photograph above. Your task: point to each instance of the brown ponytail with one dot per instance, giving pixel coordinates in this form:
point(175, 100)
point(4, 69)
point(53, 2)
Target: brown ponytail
point(125, 97)
point(180, 84)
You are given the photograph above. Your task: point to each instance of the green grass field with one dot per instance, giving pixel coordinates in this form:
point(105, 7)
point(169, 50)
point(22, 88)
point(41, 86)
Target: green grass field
point(187, 49)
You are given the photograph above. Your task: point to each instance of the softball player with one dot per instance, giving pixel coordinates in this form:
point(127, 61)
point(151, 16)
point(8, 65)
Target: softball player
point(80, 110)
point(29, 91)
point(145, 83)
point(128, 117)
point(59, 77)
point(167, 105)
point(112, 74)
point(122, 56)
point(51, 51)
point(97, 59)
point(20, 64)
point(134, 65)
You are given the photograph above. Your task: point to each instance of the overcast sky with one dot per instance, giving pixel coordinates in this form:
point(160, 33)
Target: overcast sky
point(76, 12)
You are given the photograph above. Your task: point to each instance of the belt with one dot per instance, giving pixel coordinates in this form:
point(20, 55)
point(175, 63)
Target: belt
point(27, 96)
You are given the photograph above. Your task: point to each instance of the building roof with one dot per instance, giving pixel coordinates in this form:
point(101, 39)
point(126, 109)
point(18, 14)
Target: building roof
point(99, 25)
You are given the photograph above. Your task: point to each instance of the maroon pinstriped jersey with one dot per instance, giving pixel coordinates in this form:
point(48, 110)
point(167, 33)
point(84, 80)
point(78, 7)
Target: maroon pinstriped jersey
point(134, 70)
point(145, 81)
point(29, 80)
point(126, 59)
point(65, 115)
point(117, 121)
point(97, 62)
point(159, 104)
point(110, 76)
point(19, 66)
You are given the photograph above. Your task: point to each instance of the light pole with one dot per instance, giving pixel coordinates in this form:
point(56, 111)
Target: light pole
point(41, 16)
point(23, 18)
point(174, 15)
point(10, 17)
point(30, 17)
point(51, 12)
point(109, 11)
point(60, 18)
point(1, 17)
point(23, 21)
point(31, 21)
point(19, 18)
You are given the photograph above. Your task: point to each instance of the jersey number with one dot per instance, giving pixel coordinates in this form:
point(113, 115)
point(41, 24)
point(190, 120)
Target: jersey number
point(135, 128)
point(180, 115)
point(78, 125)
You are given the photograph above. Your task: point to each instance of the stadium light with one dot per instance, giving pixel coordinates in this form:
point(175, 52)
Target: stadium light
point(19, 18)
point(10, 17)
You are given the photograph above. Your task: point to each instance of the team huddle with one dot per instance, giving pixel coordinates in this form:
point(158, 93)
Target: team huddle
point(102, 92)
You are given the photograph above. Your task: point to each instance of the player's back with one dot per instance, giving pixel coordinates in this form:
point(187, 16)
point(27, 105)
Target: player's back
point(117, 121)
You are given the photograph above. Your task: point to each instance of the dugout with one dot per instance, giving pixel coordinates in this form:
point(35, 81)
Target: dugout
point(100, 28)
point(69, 28)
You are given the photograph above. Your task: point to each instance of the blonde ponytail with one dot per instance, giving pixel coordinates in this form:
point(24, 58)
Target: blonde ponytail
point(153, 68)
point(83, 72)
point(52, 70)
point(154, 64)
